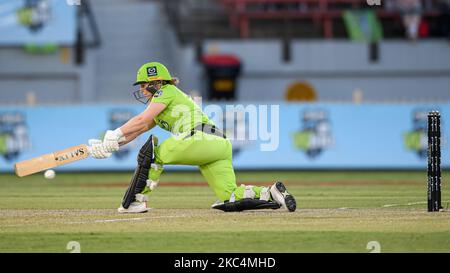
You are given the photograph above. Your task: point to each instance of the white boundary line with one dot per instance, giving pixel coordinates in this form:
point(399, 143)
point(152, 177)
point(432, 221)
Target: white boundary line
point(108, 220)
point(409, 204)
point(122, 220)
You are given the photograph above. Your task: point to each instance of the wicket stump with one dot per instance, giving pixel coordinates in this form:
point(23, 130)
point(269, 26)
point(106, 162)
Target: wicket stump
point(434, 161)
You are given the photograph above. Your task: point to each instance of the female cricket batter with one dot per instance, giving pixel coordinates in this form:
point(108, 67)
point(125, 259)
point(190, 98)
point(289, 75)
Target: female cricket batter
point(195, 141)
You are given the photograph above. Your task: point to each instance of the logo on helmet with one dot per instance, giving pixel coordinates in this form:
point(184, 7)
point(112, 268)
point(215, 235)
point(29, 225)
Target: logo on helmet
point(152, 71)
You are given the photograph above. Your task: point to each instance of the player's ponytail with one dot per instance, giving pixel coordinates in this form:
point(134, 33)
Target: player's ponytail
point(174, 81)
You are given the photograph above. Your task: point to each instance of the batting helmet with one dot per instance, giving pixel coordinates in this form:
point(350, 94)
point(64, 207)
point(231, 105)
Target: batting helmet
point(152, 71)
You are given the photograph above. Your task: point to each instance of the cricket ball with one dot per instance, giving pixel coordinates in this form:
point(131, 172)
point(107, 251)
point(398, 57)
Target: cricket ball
point(49, 174)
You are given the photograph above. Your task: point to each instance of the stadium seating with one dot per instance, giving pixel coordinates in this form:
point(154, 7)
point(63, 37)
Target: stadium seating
point(323, 13)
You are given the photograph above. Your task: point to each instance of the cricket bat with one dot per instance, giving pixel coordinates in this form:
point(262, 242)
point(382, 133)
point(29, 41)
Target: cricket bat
point(51, 160)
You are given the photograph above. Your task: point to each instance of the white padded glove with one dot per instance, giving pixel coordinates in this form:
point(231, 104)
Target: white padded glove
point(97, 150)
point(112, 139)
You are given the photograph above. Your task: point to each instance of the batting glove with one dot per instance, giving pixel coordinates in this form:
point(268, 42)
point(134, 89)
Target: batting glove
point(97, 150)
point(112, 139)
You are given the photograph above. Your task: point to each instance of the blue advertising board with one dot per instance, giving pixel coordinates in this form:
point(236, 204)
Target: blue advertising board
point(285, 136)
point(37, 22)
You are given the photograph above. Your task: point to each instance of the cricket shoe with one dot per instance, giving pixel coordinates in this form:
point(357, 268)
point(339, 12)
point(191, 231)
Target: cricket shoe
point(282, 197)
point(135, 207)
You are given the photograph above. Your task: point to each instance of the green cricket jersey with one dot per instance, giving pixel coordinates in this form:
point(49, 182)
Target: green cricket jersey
point(181, 113)
point(212, 154)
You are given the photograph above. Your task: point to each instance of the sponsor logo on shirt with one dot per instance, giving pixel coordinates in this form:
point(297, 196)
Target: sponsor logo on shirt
point(164, 125)
point(158, 93)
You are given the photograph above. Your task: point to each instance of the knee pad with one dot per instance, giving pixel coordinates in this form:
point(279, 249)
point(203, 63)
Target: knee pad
point(250, 193)
point(138, 182)
point(155, 172)
point(248, 202)
point(245, 204)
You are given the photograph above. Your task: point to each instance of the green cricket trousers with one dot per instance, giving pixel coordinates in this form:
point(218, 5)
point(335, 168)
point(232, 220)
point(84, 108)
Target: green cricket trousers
point(212, 154)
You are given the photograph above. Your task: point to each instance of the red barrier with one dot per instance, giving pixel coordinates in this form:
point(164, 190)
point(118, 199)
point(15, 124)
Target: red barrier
point(319, 11)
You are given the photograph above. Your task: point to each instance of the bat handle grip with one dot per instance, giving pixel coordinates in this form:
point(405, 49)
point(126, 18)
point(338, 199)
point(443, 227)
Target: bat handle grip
point(89, 150)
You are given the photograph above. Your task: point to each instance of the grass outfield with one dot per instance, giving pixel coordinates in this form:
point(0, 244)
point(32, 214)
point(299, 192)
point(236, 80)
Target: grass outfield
point(337, 212)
